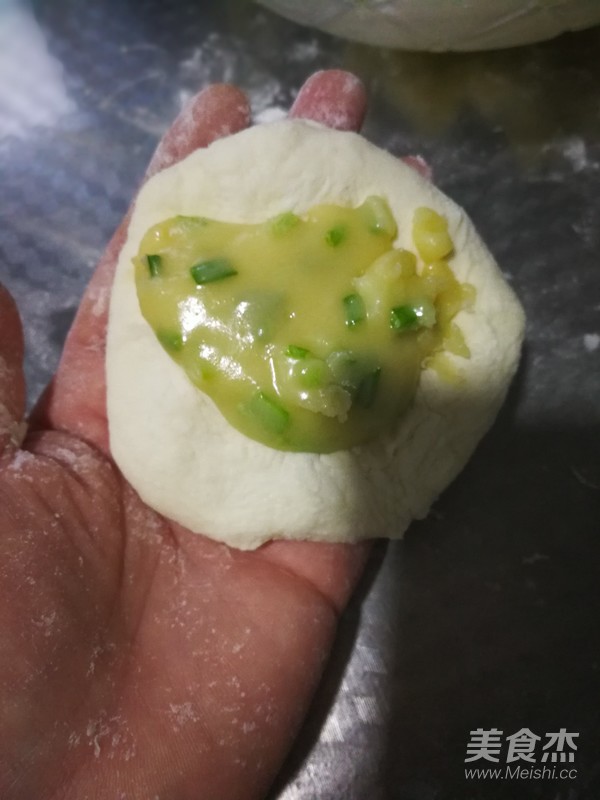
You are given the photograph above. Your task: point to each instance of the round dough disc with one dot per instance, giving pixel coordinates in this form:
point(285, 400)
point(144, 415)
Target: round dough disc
point(170, 440)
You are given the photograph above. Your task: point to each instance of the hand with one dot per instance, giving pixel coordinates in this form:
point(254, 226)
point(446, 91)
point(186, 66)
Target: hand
point(137, 659)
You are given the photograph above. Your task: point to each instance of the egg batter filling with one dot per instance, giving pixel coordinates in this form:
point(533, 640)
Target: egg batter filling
point(308, 332)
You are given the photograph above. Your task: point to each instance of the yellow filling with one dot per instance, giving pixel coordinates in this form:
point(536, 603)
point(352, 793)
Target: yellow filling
point(309, 333)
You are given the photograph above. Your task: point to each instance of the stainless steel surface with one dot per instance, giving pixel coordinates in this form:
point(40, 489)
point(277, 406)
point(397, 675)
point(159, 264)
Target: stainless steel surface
point(487, 615)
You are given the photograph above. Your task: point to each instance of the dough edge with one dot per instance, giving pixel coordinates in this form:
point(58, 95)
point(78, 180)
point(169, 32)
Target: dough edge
point(199, 471)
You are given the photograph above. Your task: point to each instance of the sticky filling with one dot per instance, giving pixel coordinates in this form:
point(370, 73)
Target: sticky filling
point(309, 332)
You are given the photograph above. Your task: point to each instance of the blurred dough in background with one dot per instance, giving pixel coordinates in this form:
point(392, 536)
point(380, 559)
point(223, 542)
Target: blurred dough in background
point(442, 24)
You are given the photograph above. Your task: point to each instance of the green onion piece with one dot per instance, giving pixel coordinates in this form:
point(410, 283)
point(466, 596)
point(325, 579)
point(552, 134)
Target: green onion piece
point(268, 412)
point(170, 340)
point(293, 351)
point(367, 389)
point(310, 372)
point(403, 318)
point(411, 317)
point(200, 370)
point(213, 269)
point(284, 222)
point(336, 235)
point(154, 265)
point(354, 308)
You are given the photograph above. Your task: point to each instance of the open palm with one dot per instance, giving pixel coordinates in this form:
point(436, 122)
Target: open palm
point(137, 659)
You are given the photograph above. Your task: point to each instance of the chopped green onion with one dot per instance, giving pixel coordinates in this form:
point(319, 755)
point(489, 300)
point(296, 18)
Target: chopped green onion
point(310, 372)
point(354, 307)
point(336, 235)
point(268, 412)
point(284, 222)
point(213, 269)
point(200, 370)
point(154, 265)
point(411, 317)
point(170, 340)
point(367, 389)
point(403, 318)
point(293, 351)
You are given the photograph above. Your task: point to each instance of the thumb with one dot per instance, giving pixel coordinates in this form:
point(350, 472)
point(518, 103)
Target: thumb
point(12, 380)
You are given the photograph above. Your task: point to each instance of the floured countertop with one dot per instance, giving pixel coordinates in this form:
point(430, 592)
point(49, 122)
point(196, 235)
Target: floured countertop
point(486, 616)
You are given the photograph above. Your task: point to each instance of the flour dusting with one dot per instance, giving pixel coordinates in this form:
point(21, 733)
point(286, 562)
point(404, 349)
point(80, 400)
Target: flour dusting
point(21, 460)
point(591, 341)
point(271, 114)
point(182, 714)
point(32, 87)
point(575, 151)
point(109, 735)
point(224, 59)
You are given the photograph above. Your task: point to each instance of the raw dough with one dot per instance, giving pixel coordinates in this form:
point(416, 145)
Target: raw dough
point(442, 24)
point(172, 443)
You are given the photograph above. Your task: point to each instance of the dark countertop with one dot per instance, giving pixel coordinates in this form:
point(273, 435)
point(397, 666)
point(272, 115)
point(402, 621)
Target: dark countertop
point(488, 614)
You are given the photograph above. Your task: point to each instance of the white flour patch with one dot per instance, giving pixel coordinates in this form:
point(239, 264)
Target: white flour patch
point(271, 114)
point(95, 731)
point(109, 735)
point(575, 151)
point(591, 341)
point(46, 622)
point(99, 297)
point(32, 87)
point(182, 714)
point(222, 59)
point(304, 52)
point(74, 740)
point(21, 460)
